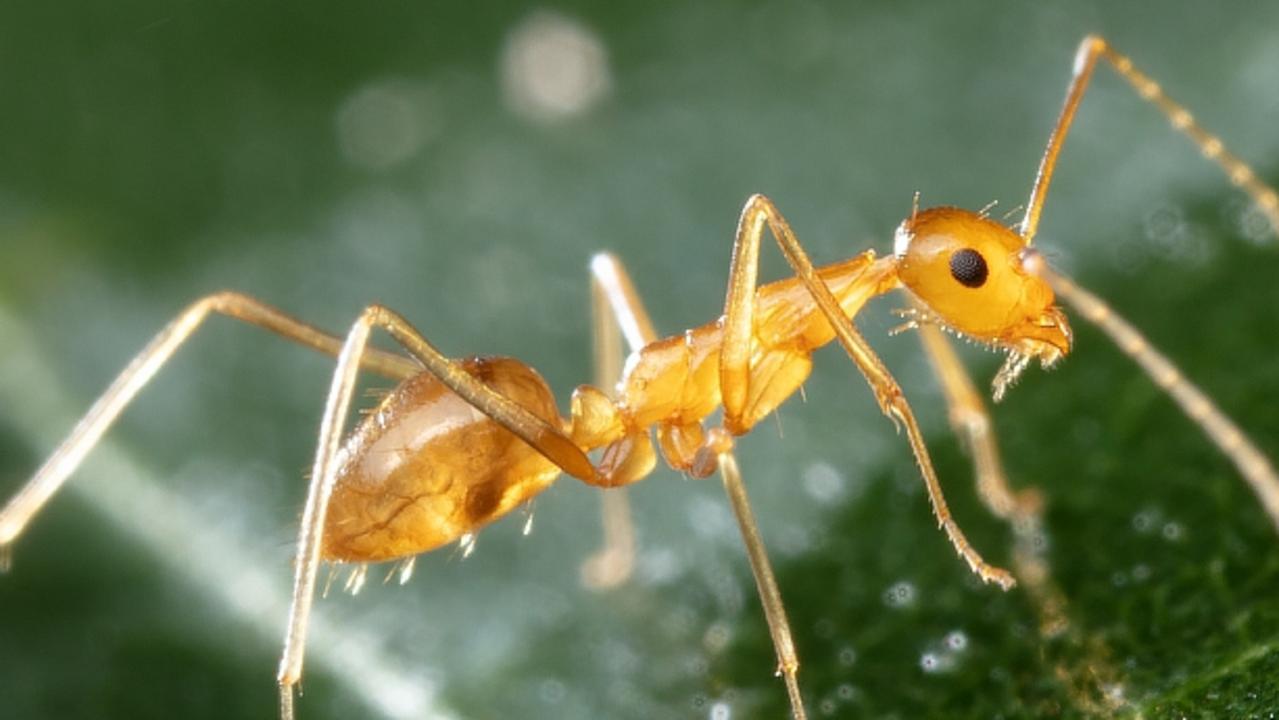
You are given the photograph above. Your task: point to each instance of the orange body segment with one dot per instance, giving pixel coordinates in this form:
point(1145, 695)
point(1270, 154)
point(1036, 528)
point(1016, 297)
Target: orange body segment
point(676, 381)
point(979, 278)
point(426, 467)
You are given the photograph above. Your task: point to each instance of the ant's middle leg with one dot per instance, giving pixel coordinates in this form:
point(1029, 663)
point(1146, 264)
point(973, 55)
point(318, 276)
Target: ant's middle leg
point(970, 420)
point(618, 308)
point(617, 313)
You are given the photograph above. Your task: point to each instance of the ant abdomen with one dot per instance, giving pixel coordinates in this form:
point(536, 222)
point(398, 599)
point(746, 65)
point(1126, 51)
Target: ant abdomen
point(425, 467)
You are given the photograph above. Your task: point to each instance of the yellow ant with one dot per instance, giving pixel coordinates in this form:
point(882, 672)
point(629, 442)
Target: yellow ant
point(460, 443)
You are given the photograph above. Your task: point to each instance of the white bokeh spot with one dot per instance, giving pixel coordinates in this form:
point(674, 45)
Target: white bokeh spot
point(386, 122)
point(553, 68)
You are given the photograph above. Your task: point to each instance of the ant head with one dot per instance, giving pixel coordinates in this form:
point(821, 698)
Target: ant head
point(980, 279)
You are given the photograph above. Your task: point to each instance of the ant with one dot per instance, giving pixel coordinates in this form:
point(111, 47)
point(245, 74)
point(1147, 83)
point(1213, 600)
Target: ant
point(460, 443)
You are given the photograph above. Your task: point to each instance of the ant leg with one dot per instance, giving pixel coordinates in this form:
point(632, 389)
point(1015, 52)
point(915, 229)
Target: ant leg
point(970, 420)
point(1251, 462)
point(616, 311)
point(539, 434)
point(15, 516)
point(323, 477)
point(613, 286)
point(770, 596)
point(1090, 50)
point(738, 340)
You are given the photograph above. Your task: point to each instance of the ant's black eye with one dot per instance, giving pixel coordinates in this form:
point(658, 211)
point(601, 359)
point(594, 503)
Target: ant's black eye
point(968, 267)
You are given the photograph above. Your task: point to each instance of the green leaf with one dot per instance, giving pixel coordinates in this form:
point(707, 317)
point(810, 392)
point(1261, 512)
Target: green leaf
point(155, 152)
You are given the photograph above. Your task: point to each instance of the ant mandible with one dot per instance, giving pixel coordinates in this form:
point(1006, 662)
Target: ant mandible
point(425, 469)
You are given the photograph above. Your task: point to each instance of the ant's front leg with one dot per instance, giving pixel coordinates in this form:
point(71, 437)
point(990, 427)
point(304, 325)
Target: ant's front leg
point(971, 421)
point(739, 341)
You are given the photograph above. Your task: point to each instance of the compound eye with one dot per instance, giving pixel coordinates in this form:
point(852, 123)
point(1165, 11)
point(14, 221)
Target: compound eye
point(968, 267)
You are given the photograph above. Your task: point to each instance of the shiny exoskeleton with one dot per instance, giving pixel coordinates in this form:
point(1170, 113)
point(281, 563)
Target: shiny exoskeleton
point(426, 467)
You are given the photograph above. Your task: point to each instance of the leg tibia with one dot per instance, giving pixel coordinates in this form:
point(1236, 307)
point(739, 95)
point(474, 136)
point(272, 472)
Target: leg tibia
point(617, 313)
point(971, 422)
point(19, 511)
point(899, 410)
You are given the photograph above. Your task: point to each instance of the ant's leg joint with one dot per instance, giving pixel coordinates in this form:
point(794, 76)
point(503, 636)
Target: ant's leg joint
point(625, 461)
point(788, 668)
point(1091, 45)
point(718, 442)
point(893, 404)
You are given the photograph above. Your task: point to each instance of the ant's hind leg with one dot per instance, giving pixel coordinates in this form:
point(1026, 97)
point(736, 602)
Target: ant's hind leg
point(617, 312)
point(46, 481)
point(542, 436)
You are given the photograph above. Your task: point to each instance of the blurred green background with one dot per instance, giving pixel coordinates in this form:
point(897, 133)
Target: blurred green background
point(461, 165)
